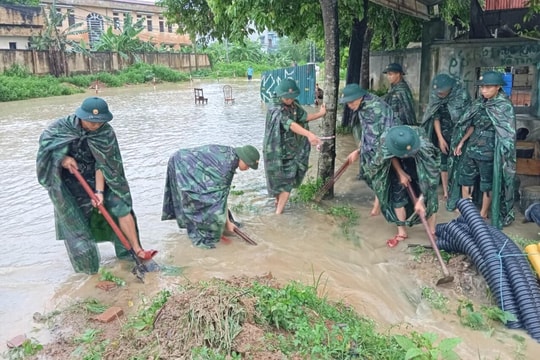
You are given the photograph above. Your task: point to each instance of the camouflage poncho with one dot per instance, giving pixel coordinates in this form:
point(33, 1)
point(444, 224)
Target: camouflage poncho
point(286, 154)
point(501, 113)
point(196, 191)
point(457, 102)
point(400, 99)
point(72, 206)
point(427, 161)
point(372, 118)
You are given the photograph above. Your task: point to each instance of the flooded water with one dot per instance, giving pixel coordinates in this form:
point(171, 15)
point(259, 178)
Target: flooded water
point(303, 244)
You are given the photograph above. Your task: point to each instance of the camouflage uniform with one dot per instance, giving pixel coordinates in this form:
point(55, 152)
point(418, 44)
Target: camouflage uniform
point(448, 110)
point(424, 171)
point(371, 119)
point(286, 154)
point(77, 222)
point(400, 99)
point(196, 191)
point(493, 141)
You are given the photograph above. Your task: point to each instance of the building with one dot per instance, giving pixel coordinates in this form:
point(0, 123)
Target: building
point(17, 24)
point(95, 15)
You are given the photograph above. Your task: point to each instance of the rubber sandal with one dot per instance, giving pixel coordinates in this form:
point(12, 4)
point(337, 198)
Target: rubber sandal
point(146, 254)
point(395, 240)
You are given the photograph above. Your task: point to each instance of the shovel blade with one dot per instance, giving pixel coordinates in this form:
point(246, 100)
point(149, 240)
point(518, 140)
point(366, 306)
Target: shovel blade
point(445, 280)
point(139, 270)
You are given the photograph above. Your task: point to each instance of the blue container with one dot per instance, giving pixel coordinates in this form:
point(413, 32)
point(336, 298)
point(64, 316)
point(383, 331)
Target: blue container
point(304, 76)
point(508, 79)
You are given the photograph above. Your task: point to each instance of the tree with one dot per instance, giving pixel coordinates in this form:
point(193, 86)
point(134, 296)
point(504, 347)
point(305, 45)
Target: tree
point(56, 41)
point(126, 43)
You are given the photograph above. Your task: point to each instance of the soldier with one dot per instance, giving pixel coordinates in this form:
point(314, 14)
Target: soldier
point(197, 187)
point(405, 158)
point(287, 142)
point(399, 97)
point(484, 145)
point(85, 142)
point(371, 117)
point(447, 102)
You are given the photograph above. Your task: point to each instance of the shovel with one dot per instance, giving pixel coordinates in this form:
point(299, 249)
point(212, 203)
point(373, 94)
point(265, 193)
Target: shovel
point(140, 268)
point(447, 277)
point(320, 193)
point(239, 232)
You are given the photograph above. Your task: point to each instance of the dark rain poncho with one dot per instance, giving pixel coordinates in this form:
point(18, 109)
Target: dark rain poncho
point(457, 102)
point(196, 191)
point(286, 154)
point(369, 122)
point(76, 222)
point(501, 113)
point(427, 161)
point(400, 99)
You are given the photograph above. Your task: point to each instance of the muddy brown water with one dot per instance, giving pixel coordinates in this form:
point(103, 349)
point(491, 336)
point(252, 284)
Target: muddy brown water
point(303, 244)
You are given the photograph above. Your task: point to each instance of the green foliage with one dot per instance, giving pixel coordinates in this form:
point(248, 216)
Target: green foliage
point(16, 88)
point(126, 43)
point(94, 306)
point(422, 347)
point(521, 241)
point(435, 299)
point(349, 219)
point(456, 12)
point(21, 2)
point(146, 316)
point(17, 70)
point(343, 130)
point(90, 348)
point(483, 319)
point(53, 38)
point(106, 275)
point(323, 330)
point(307, 190)
point(29, 347)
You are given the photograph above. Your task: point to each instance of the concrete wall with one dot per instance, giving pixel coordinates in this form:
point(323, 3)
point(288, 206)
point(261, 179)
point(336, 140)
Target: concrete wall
point(37, 62)
point(466, 59)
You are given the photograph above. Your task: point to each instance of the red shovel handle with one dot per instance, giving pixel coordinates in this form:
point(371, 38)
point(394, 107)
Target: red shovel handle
point(102, 209)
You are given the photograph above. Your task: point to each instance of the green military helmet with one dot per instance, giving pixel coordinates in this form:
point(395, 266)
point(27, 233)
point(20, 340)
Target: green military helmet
point(250, 155)
point(287, 89)
point(491, 78)
point(443, 83)
point(352, 92)
point(94, 109)
point(402, 141)
point(394, 67)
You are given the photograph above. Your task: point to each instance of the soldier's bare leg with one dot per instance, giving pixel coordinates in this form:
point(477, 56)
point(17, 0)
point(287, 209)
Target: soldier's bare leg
point(444, 179)
point(486, 204)
point(376, 210)
point(282, 199)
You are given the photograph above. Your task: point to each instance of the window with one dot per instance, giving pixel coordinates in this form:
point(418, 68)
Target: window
point(169, 28)
point(161, 24)
point(71, 17)
point(149, 22)
point(116, 21)
point(94, 23)
point(59, 18)
point(12, 46)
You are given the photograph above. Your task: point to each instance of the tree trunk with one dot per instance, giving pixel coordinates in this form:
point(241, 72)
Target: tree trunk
point(354, 66)
point(327, 157)
point(364, 70)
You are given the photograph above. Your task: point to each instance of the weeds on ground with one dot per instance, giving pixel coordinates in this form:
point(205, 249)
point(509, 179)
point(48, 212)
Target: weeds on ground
point(482, 319)
point(29, 347)
point(106, 275)
point(521, 241)
point(422, 346)
point(235, 192)
point(435, 299)
point(144, 320)
point(307, 190)
point(297, 322)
